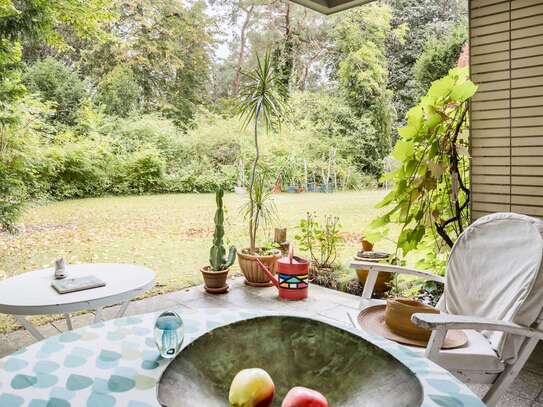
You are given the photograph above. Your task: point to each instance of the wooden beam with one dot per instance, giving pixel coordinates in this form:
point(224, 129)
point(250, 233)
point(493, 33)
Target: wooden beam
point(330, 6)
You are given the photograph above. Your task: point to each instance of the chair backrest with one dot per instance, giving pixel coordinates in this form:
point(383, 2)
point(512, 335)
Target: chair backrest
point(495, 271)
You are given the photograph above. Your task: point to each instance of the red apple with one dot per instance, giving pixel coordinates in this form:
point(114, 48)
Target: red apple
point(304, 397)
point(251, 388)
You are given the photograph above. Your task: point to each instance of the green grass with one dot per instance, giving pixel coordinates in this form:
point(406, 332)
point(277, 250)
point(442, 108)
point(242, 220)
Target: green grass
point(171, 234)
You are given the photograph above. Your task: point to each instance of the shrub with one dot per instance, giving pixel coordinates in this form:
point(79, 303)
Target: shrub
point(75, 171)
point(131, 134)
point(143, 171)
point(20, 158)
point(12, 197)
point(320, 240)
point(332, 120)
point(56, 82)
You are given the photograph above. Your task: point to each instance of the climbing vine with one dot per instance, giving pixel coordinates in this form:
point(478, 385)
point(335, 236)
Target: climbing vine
point(430, 196)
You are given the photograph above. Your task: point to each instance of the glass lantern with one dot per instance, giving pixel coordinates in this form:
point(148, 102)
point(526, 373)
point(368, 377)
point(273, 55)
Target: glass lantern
point(169, 334)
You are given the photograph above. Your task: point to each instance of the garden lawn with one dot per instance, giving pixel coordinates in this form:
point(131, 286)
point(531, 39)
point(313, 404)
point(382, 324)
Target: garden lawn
point(171, 234)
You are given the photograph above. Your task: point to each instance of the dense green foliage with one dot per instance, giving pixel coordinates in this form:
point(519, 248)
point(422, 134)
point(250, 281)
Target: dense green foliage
point(362, 72)
point(162, 47)
point(431, 192)
point(439, 54)
point(119, 93)
point(26, 23)
point(54, 82)
point(130, 97)
point(421, 20)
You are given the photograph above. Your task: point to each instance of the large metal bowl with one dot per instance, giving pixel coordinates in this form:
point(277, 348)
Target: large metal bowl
point(346, 368)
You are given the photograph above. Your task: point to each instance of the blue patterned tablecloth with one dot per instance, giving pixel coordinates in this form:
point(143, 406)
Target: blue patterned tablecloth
point(116, 364)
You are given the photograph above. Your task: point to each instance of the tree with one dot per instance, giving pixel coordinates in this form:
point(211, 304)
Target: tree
point(31, 21)
point(361, 68)
point(50, 21)
point(296, 36)
point(440, 55)
point(419, 19)
point(119, 92)
point(248, 10)
point(166, 45)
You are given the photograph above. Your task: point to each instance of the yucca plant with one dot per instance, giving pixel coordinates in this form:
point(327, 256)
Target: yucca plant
point(262, 104)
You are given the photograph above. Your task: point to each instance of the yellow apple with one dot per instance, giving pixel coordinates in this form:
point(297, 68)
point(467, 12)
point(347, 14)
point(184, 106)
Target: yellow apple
point(251, 388)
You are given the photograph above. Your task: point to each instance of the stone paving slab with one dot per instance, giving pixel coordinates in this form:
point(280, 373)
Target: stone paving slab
point(526, 391)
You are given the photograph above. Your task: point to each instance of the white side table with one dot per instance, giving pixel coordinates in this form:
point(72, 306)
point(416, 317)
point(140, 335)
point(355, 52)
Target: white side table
point(31, 293)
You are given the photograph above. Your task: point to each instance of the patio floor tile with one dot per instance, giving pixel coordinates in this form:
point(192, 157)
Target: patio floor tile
point(527, 385)
point(510, 400)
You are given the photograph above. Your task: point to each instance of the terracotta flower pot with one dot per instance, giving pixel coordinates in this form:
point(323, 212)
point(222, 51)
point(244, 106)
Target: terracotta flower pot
point(254, 276)
point(381, 284)
point(215, 281)
point(398, 314)
point(367, 246)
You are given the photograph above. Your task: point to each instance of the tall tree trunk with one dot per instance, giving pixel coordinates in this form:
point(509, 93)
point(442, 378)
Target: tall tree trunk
point(288, 56)
point(303, 80)
point(242, 45)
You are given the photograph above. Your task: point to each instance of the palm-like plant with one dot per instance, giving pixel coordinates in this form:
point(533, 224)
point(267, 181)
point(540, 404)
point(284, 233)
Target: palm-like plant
point(262, 103)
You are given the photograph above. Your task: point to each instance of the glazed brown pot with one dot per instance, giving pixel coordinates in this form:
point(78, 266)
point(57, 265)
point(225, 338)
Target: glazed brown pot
point(215, 281)
point(381, 284)
point(254, 276)
point(398, 314)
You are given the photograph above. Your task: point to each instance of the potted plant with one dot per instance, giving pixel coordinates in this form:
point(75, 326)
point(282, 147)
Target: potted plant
point(383, 281)
point(219, 263)
point(262, 104)
point(261, 211)
point(321, 241)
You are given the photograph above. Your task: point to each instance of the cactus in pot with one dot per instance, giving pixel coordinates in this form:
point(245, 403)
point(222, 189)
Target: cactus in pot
point(216, 273)
point(217, 255)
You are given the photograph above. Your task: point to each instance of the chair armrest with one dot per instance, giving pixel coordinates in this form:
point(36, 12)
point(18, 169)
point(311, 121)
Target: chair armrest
point(375, 268)
point(448, 321)
point(441, 323)
point(389, 268)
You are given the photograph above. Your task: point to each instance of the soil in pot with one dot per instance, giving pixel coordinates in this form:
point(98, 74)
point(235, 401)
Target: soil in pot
point(215, 281)
point(254, 276)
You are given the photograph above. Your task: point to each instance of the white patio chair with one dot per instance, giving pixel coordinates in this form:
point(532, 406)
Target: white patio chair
point(493, 291)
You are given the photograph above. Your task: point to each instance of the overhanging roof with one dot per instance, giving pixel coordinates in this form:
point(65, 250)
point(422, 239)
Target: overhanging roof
point(330, 6)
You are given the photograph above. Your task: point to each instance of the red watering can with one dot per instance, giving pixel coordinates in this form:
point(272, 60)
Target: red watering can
point(292, 276)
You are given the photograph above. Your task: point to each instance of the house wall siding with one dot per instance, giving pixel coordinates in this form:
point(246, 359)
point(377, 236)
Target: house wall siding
point(507, 112)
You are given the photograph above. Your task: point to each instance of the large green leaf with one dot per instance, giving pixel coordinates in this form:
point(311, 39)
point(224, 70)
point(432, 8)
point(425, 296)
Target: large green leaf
point(402, 150)
point(387, 199)
point(463, 92)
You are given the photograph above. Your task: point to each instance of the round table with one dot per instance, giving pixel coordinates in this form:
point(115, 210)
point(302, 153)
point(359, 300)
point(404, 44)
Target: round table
point(32, 294)
point(116, 364)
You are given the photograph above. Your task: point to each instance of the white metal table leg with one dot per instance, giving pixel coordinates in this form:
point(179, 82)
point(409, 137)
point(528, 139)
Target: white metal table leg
point(98, 316)
point(29, 327)
point(68, 321)
point(123, 308)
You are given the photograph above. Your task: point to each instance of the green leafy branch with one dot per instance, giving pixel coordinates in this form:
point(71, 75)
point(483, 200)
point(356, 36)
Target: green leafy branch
point(431, 193)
